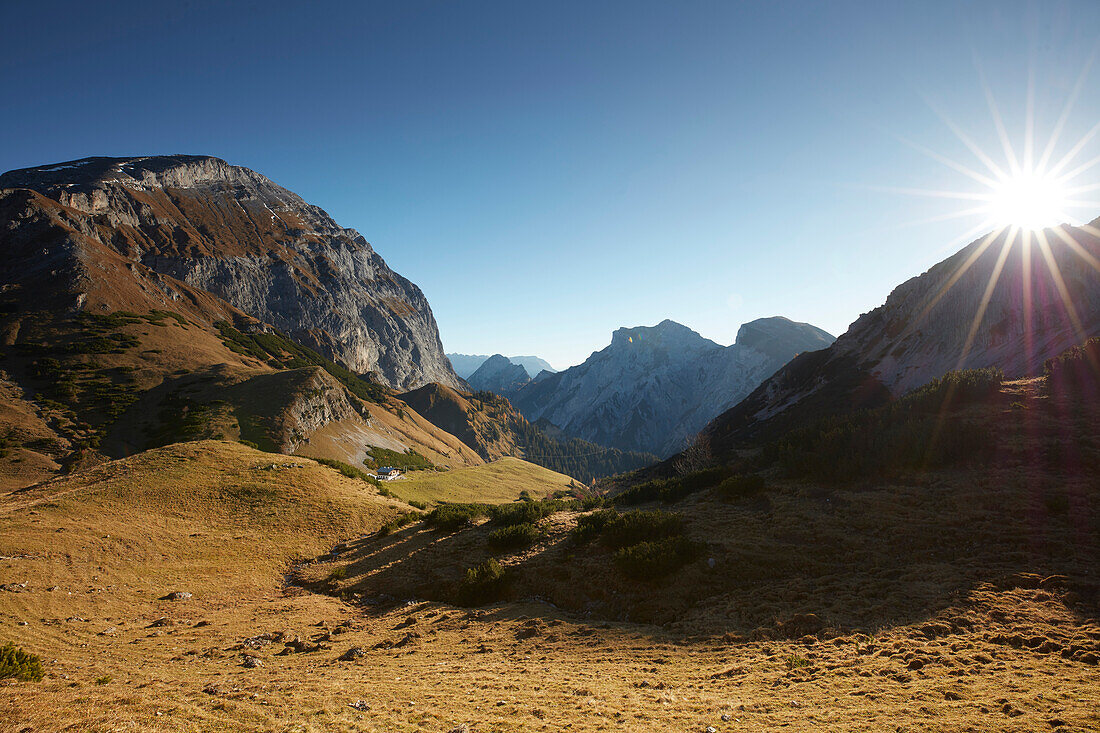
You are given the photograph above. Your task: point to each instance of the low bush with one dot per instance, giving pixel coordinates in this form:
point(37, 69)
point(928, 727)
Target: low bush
point(337, 574)
point(741, 487)
point(633, 527)
point(671, 490)
point(18, 664)
point(657, 558)
point(591, 525)
point(449, 517)
point(514, 536)
point(522, 512)
point(410, 460)
point(482, 584)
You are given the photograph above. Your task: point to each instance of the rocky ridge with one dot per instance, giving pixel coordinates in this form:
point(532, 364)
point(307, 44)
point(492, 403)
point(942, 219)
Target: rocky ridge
point(1007, 300)
point(231, 232)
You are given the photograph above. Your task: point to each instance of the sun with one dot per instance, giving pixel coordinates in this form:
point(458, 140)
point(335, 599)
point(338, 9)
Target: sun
point(1028, 200)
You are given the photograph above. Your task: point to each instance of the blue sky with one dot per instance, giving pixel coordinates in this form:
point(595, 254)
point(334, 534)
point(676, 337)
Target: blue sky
point(548, 172)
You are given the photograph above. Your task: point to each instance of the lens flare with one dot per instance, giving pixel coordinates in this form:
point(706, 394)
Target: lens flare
point(1028, 200)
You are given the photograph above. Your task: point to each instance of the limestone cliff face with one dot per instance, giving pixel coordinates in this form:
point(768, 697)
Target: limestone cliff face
point(231, 232)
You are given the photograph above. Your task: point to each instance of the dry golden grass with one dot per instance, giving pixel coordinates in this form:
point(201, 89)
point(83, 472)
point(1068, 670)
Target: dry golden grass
point(226, 524)
point(498, 482)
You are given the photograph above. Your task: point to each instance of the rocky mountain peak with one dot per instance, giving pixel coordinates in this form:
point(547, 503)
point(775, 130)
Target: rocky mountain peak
point(667, 334)
point(232, 232)
point(499, 375)
point(777, 335)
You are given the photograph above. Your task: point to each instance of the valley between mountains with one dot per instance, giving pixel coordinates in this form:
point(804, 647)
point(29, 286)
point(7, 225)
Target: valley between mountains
point(207, 384)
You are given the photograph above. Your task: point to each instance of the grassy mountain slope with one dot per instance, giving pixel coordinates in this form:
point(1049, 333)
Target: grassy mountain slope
point(872, 519)
point(502, 480)
point(98, 386)
point(947, 636)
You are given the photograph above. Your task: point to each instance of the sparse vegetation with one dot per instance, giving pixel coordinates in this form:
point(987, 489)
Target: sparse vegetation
point(182, 419)
point(351, 471)
point(282, 352)
point(514, 536)
point(410, 460)
point(906, 435)
point(18, 664)
point(482, 584)
point(402, 520)
point(741, 486)
point(656, 559)
point(337, 574)
point(671, 490)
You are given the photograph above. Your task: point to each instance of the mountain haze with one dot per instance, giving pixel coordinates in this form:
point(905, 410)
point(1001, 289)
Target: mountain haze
point(499, 375)
point(466, 364)
point(654, 387)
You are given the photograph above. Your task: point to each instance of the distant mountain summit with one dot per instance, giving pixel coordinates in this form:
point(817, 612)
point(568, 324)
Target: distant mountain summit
point(654, 387)
point(995, 303)
point(233, 233)
point(466, 364)
point(533, 364)
point(499, 375)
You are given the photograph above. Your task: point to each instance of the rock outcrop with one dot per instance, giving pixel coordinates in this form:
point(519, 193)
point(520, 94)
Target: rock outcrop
point(233, 233)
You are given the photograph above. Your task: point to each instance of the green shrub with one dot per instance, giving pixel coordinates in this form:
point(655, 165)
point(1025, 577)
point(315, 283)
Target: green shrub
point(924, 429)
point(655, 559)
point(397, 523)
point(514, 536)
point(15, 662)
point(741, 487)
point(591, 525)
point(338, 574)
point(671, 490)
point(248, 443)
point(282, 352)
point(418, 504)
point(704, 479)
point(523, 512)
point(482, 584)
point(410, 460)
point(449, 517)
point(633, 527)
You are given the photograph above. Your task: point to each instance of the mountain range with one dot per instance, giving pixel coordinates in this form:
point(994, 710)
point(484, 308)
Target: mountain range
point(149, 300)
point(466, 364)
point(654, 387)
